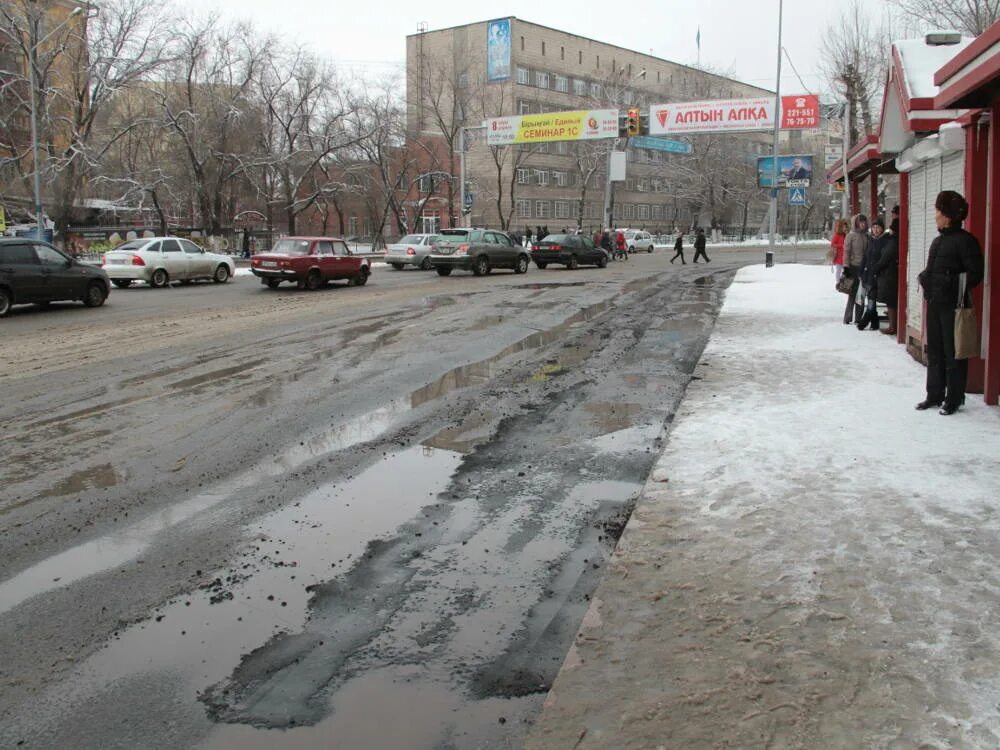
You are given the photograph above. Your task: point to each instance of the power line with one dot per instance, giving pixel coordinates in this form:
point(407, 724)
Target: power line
point(801, 82)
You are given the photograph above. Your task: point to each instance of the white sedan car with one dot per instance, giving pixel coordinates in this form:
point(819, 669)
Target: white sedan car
point(411, 250)
point(161, 260)
point(638, 241)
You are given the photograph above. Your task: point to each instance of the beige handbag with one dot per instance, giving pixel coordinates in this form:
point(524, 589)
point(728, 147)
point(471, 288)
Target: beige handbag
point(966, 325)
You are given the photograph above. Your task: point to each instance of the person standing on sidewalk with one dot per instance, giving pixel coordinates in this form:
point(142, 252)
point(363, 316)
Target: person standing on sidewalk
point(836, 252)
point(887, 270)
point(953, 252)
point(699, 246)
point(679, 248)
point(869, 278)
point(854, 256)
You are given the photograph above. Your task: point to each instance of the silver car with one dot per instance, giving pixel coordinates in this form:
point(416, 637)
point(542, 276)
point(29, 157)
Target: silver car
point(411, 250)
point(637, 240)
point(160, 260)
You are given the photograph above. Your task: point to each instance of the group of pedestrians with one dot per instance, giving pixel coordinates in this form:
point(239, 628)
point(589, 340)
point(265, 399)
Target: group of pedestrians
point(699, 247)
point(868, 257)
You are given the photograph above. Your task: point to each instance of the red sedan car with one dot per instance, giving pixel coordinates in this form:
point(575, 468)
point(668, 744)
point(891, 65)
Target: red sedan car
point(310, 262)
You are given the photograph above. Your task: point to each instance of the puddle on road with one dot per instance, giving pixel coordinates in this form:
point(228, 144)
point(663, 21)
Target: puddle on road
point(476, 427)
point(288, 552)
point(123, 545)
point(402, 708)
point(613, 417)
point(95, 478)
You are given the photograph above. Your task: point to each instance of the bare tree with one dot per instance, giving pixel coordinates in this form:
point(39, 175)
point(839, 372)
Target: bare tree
point(854, 58)
point(971, 17)
point(80, 71)
point(206, 105)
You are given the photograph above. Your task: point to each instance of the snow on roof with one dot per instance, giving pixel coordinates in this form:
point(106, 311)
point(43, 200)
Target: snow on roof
point(921, 61)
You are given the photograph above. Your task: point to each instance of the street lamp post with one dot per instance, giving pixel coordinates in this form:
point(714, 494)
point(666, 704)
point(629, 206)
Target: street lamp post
point(32, 52)
point(774, 150)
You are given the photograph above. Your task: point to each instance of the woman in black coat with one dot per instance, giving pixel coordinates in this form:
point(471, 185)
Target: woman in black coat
point(953, 252)
point(887, 272)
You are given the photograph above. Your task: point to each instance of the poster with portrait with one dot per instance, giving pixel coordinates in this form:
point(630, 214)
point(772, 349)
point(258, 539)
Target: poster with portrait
point(498, 50)
point(794, 171)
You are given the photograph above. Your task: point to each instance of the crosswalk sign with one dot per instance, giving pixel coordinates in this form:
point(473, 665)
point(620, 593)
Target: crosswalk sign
point(797, 197)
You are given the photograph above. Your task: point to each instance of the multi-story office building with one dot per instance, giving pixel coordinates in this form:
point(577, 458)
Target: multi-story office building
point(458, 76)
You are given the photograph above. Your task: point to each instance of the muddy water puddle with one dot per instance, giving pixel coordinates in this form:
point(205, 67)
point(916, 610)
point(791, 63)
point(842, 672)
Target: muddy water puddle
point(201, 636)
point(123, 545)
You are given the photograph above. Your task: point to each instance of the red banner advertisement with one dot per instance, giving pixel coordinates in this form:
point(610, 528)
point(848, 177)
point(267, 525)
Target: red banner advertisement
point(799, 112)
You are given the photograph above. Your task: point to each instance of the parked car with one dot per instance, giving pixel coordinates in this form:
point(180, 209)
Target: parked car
point(160, 260)
point(411, 250)
point(310, 262)
point(477, 250)
point(637, 240)
point(35, 272)
point(569, 250)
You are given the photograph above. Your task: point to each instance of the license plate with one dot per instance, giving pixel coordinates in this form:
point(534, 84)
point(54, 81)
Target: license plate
point(269, 264)
point(117, 261)
point(445, 250)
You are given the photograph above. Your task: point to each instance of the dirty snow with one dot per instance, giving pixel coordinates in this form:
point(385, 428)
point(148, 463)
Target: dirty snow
point(813, 562)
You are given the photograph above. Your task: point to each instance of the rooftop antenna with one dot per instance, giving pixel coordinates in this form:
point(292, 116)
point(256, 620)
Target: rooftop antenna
point(422, 27)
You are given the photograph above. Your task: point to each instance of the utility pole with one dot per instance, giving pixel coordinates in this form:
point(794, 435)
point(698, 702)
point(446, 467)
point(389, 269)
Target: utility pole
point(774, 150)
point(844, 199)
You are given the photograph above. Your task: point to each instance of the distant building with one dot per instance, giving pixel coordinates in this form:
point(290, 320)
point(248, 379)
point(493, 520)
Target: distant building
point(458, 76)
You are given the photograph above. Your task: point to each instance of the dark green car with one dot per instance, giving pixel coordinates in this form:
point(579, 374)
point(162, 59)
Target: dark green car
point(477, 250)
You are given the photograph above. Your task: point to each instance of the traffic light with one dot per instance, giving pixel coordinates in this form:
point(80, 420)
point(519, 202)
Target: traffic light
point(632, 121)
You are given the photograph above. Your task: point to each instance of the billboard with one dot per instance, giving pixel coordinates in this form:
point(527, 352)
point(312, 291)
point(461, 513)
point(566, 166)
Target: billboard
point(714, 116)
point(799, 112)
point(582, 125)
point(498, 50)
point(794, 171)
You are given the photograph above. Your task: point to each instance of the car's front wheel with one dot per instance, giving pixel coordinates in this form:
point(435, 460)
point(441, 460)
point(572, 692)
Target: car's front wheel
point(360, 278)
point(443, 271)
point(602, 261)
point(574, 263)
point(482, 266)
point(649, 249)
point(522, 264)
point(5, 302)
point(159, 279)
point(425, 264)
point(95, 295)
point(122, 283)
point(222, 274)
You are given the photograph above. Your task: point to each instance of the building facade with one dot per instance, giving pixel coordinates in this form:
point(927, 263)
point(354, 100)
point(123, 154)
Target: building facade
point(458, 76)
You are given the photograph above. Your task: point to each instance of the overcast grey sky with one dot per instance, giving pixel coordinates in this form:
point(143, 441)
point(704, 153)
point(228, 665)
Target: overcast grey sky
point(737, 35)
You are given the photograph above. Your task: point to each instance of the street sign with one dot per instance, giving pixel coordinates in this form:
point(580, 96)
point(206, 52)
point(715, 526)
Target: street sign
point(468, 201)
point(659, 144)
point(797, 197)
point(832, 155)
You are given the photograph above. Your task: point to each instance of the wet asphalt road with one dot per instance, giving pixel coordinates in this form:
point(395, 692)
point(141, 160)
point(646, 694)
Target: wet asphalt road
point(356, 518)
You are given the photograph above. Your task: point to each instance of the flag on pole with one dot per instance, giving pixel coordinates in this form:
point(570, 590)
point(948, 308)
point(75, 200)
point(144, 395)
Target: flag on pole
point(697, 39)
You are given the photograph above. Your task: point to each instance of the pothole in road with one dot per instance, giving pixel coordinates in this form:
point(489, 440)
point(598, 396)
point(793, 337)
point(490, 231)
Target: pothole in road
point(204, 634)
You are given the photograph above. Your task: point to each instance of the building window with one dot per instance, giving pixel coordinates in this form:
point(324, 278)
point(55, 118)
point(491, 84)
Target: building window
point(543, 209)
point(643, 211)
point(543, 49)
point(598, 62)
point(463, 79)
point(352, 226)
point(630, 184)
point(561, 178)
point(426, 183)
point(542, 176)
point(523, 176)
point(642, 185)
point(595, 90)
point(523, 208)
point(656, 212)
point(562, 209)
point(541, 79)
point(522, 44)
point(581, 57)
point(523, 107)
point(628, 210)
point(560, 147)
point(657, 72)
point(562, 53)
point(562, 83)
point(579, 87)
point(522, 75)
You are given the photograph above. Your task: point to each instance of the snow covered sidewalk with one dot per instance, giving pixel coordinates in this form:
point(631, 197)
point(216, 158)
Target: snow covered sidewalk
point(813, 564)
